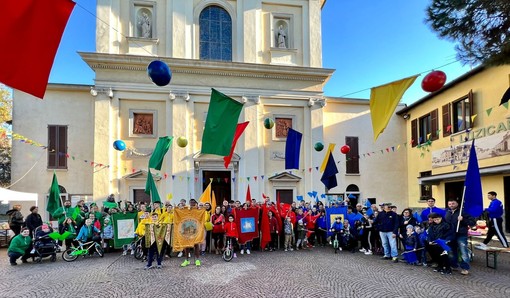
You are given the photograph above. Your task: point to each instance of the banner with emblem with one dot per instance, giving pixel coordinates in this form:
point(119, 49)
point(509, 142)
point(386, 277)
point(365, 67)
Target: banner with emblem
point(188, 228)
point(247, 221)
point(158, 233)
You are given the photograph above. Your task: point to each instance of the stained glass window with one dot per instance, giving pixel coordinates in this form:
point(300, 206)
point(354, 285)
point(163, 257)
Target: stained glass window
point(215, 34)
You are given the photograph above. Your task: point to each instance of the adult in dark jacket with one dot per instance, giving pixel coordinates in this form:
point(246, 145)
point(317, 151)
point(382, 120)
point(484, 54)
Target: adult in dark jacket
point(15, 219)
point(440, 234)
point(464, 221)
point(33, 220)
point(405, 219)
point(386, 223)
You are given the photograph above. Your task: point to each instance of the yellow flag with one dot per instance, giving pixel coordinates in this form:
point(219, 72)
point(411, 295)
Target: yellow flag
point(206, 195)
point(188, 228)
point(384, 100)
point(331, 147)
point(213, 202)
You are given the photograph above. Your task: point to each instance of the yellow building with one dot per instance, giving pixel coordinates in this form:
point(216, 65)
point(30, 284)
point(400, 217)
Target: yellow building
point(440, 129)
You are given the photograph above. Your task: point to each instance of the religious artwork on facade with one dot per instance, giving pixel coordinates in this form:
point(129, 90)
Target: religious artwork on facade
point(282, 125)
point(144, 23)
point(486, 147)
point(143, 124)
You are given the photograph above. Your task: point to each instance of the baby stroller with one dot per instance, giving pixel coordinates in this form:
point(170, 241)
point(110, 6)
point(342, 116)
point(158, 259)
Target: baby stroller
point(43, 246)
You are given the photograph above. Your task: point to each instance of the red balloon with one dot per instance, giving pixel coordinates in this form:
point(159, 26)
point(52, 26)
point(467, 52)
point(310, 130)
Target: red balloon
point(345, 149)
point(433, 81)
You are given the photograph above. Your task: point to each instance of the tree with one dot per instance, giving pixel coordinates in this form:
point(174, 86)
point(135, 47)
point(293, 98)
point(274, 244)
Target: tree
point(481, 28)
point(5, 143)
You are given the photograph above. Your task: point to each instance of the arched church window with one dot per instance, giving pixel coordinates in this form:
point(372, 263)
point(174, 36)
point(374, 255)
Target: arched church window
point(215, 34)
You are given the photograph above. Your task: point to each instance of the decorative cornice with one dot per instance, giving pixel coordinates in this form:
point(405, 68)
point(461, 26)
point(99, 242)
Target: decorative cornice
point(172, 95)
point(203, 67)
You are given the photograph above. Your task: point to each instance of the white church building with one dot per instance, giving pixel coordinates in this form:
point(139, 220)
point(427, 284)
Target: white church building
point(264, 54)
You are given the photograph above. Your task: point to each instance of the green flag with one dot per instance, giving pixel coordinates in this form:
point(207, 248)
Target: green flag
point(156, 160)
point(54, 196)
point(150, 188)
point(220, 125)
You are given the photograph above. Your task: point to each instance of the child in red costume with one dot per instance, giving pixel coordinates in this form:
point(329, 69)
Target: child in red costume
point(231, 232)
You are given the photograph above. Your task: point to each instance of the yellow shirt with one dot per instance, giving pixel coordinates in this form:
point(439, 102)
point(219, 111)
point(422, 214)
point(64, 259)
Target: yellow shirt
point(167, 217)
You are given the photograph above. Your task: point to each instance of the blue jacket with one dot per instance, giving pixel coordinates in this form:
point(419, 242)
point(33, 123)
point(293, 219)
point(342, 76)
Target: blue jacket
point(425, 213)
point(321, 223)
point(86, 233)
point(495, 209)
point(337, 227)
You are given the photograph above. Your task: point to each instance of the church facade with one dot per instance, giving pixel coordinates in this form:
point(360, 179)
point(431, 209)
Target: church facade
point(265, 55)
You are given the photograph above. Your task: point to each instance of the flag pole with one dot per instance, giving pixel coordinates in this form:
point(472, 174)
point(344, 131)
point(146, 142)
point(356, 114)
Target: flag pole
point(461, 207)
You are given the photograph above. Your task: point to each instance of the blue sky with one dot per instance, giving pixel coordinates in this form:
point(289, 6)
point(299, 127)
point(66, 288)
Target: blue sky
point(368, 42)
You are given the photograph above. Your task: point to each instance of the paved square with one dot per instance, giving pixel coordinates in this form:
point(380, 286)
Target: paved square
point(315, 273)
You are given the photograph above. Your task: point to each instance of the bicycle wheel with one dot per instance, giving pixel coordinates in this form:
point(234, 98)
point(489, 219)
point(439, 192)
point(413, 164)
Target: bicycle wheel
point(227, 255)
point(99, 250)
point(138, 252)
point(68, 255)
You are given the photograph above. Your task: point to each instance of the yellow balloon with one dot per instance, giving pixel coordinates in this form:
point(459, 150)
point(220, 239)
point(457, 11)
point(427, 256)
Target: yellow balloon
point(182, 142)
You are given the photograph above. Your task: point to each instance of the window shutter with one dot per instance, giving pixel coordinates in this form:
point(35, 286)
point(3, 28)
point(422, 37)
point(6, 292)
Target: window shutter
point(447, 120)
point(352, 158)
point(414, 132)
point(52, 150)
point(434, 125)
point(471, 111)
point(62, 147)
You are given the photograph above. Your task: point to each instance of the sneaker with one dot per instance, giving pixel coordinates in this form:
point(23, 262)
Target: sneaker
point(124, 253)
point(14, 264)
point(248, 251)
point(24, 261)
point(340, 249)
point(197, 263)
point(291, 249)
point(235, 255)
point(159, 267)
point(464, 272)
point(425, 265)
point(386, 258)
point(202, 253)
point(32, 251)
point(363, 250)
point(185, 263)
point(180, 255)
point(132, 252)
point(148, 267)
point(368, 252)
point(446, 272)
point(242, 251)
point(395, 260)
point(285, 250)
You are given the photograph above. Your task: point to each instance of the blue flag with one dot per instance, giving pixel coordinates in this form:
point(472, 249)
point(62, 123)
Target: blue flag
point(292, 149)
point(473, 196)
point(329, 176)
point(417, 216)
point(370, 212)
point(443, 244)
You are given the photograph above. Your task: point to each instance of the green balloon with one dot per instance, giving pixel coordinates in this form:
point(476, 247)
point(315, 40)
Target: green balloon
point(318, 146)
point(268, 123)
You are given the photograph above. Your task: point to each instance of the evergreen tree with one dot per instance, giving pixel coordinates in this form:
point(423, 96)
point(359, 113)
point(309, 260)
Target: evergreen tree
point(481, 28)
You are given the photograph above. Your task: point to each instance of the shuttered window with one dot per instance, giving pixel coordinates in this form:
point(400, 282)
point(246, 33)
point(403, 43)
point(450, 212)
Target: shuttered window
point(57, 146)
point(414, 132)
point(434, 123)
point(462, 109)
point(352, 158)
point(447, 121)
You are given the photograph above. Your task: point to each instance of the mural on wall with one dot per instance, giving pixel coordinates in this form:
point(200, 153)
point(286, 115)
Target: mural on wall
point(282, 126)
point(486, 147)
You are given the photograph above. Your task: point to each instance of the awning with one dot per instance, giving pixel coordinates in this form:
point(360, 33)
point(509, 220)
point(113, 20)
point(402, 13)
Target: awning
point(11, 195)
point(436, 179)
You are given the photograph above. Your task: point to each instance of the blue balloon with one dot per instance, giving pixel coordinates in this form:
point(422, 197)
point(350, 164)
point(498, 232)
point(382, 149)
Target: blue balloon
point(119, 145)
point(159, 72)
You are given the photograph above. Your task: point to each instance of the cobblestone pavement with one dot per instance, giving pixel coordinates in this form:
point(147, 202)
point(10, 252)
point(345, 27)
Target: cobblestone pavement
point(315, 273)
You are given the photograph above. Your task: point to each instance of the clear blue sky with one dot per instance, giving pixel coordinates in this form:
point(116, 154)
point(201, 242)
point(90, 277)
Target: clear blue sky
point(368, 42)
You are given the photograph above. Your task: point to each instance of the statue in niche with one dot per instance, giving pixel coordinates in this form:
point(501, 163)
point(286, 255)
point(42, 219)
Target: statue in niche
point(144, 22)
point(281, 37)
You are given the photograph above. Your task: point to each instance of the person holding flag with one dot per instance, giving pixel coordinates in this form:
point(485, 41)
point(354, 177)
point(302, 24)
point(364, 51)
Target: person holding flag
point(463, 220)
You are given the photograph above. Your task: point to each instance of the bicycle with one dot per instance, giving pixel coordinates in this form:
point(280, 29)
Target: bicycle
point(135, 247)
point(228, 253)
point(82, 249)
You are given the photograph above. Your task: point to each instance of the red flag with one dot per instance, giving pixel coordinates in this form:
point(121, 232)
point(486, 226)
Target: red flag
point(247, 220)
point(30, 32)
point(239, 131)
point(248, 195)
point(265, 230)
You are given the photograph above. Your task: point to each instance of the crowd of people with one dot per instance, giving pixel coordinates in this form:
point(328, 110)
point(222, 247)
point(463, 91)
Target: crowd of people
point(434, 236)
